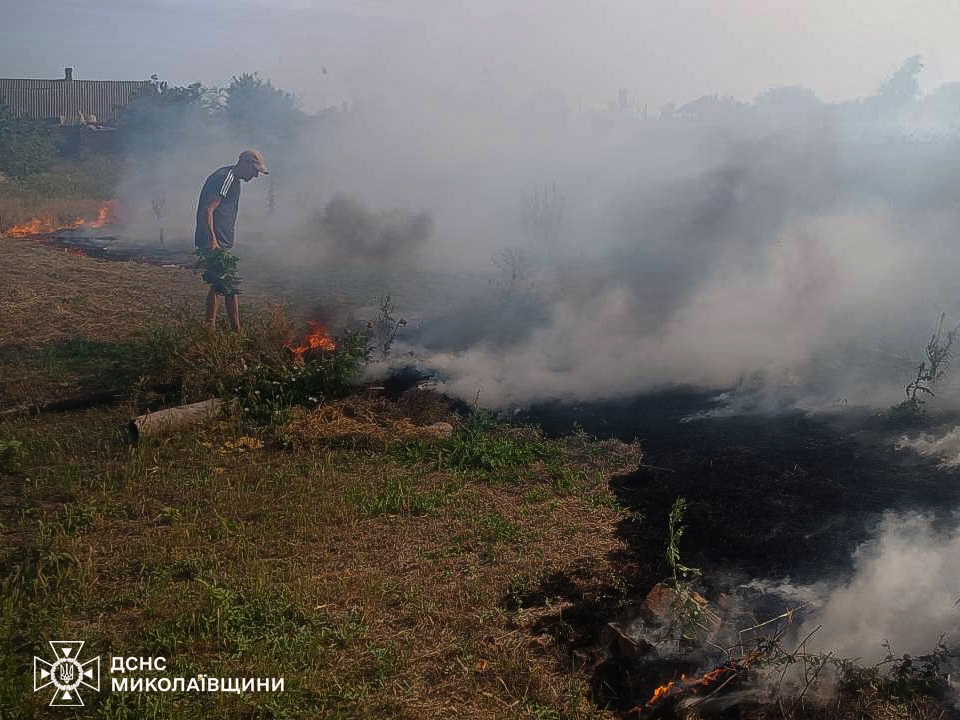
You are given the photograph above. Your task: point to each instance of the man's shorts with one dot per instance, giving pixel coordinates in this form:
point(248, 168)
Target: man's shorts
point(219, 270)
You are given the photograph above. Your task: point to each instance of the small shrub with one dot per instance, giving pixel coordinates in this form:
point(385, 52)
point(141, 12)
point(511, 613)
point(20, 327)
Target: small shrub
point(384, 329)
point(900, 677)
point(254, 371)
point(265, 392)
point(911, 412)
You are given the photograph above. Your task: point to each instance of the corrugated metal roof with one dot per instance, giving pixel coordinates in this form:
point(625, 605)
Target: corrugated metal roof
point(46, 99)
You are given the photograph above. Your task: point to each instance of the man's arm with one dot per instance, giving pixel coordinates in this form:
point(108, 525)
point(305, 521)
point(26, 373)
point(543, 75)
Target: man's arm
point(211, 206)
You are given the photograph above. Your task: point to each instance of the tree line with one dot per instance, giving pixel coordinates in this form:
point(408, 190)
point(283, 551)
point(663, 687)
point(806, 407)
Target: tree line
point(160, 116)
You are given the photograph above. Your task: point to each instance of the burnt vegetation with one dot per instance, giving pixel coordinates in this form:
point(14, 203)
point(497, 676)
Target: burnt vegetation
point(784, 497)
point(932, 369)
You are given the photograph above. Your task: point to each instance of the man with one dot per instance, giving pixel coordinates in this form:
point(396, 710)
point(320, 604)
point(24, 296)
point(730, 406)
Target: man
point(216, 220)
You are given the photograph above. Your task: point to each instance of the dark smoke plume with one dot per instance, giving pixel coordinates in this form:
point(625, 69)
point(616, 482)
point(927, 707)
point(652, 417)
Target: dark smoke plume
point(350, 233)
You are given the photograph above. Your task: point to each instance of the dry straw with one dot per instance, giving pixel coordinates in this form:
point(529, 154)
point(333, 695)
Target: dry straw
point(359, 422)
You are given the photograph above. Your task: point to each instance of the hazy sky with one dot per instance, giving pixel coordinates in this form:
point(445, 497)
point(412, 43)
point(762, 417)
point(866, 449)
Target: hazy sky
point(660, 51)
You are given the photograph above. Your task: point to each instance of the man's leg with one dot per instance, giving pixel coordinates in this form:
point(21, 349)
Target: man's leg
point(213, 302)
point(233, 311)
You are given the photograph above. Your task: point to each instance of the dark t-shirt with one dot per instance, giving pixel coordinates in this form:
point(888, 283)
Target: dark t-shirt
point(223, 184)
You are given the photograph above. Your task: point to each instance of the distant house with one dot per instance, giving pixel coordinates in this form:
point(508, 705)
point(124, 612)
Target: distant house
point(67, 101)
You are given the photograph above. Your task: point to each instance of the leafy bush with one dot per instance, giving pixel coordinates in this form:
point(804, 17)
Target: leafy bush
point(265, 392)
point(206, 363)
point(255, 370)
point(26, 146)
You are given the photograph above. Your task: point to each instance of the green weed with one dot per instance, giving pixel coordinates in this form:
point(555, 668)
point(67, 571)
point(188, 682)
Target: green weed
point(395, 496)
point(690, 613)
point(11, 455)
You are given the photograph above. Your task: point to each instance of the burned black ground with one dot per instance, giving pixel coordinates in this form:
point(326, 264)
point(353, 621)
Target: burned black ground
point(789, 495)
point(785, 496)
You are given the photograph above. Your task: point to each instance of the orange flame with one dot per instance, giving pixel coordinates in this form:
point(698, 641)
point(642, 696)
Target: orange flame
point(106, 215)
point(37, 226)
point(41, 226)
point(318, 339)
point(662, 692)
point(691, 684)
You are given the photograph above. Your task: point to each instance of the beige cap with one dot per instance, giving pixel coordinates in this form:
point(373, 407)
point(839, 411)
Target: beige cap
point(255, 157)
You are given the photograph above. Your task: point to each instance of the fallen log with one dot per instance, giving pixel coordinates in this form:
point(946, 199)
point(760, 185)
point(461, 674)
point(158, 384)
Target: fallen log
point(161, 422)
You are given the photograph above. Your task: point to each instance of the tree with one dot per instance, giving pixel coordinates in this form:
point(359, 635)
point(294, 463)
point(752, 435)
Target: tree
point(159, 116)
point(258, 111)
point(942, 106)
point(714, 108)
point(787, 100)
point(903, 86)
point(27, 146)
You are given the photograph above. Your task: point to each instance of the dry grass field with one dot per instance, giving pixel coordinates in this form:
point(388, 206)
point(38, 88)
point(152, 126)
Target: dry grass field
point(381, 569)
point(375, 583)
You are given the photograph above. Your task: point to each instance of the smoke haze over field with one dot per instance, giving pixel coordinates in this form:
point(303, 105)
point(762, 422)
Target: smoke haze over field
point(789, 238)
point(806, 245)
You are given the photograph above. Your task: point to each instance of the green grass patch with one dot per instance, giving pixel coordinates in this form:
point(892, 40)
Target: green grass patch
point(483, 448)
point(397, 495)
point(493, 528)
point(234, 622)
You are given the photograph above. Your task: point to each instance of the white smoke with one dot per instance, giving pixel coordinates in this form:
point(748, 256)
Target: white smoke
point(808, 292)
point(903, 591)
point(944, 447)
point(719, 242)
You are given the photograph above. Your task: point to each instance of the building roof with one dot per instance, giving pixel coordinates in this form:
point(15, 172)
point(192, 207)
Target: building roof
point(67, 98)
